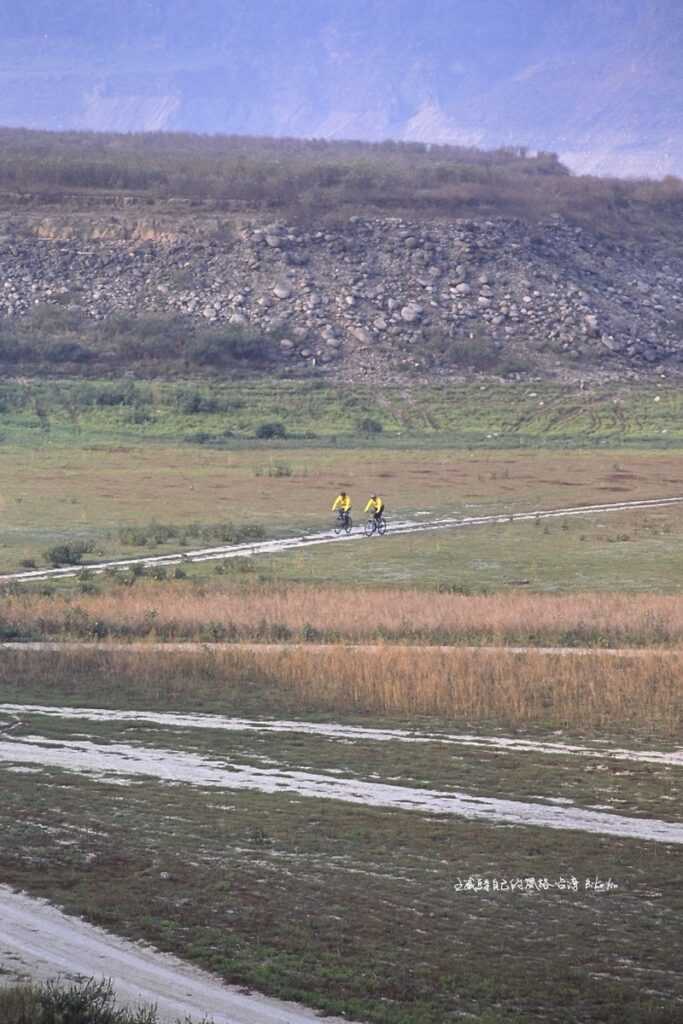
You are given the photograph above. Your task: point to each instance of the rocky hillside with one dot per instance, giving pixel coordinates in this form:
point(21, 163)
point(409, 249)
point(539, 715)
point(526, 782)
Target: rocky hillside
point(369, 296)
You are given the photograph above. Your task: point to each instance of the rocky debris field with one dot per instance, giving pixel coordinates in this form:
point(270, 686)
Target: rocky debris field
point(371, 292)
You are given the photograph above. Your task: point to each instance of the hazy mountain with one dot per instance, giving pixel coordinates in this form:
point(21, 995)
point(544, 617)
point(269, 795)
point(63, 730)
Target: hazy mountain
point(598, 81)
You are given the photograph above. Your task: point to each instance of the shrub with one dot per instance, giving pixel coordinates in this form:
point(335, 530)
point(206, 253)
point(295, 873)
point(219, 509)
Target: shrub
point(230, 345)
point(68, 352)
point(89, 1003)
point(191, 401)
point(267, 431)
point(115, 395)
point(275, 469)
point(68, 554)
point(369, 426)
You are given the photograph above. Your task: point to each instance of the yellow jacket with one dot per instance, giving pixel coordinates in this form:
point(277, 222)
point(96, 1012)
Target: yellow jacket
point(344, 503)
point(374, 505)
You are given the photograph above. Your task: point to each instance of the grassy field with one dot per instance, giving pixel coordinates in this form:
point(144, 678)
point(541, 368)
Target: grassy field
point(51, 495)
point(349, 908)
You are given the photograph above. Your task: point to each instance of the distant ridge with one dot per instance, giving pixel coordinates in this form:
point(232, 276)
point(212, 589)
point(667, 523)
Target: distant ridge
point(598, 81)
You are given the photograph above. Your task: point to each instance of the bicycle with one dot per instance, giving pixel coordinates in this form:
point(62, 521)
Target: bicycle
point(376, 526)
point(344, 523)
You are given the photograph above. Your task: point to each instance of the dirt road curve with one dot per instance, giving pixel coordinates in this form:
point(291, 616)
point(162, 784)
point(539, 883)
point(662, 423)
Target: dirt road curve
point(38, 941)
point(270, 547)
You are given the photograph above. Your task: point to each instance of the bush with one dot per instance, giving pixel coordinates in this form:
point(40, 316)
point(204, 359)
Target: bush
point(230, 345)
point(267, 431)
point(68, 352)
point(369, 426)
point(89, 1003)
point(115, 395)
point(68, 554)
point(275, 469)
point(190, 402)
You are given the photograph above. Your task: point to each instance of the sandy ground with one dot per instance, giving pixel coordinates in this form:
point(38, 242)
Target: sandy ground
point(38, 942)
point(270, 547)
point(12, 713)
point(111, 762)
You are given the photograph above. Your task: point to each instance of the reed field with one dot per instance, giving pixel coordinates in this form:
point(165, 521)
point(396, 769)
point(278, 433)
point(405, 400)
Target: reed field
point(245, 610)
point(531, 688)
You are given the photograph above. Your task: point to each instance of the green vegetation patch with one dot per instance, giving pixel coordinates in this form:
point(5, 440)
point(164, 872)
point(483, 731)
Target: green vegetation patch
point(237, 410)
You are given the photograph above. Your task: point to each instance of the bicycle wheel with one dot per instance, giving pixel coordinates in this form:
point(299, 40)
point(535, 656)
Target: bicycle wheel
point(349, 525)
point(382, 527)
point(369, 527)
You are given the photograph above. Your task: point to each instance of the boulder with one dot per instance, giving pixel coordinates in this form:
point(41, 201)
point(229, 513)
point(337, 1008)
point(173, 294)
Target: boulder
point(411, 313)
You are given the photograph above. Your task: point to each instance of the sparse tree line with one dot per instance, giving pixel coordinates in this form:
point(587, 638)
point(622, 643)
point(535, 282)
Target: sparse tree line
point(312, 178)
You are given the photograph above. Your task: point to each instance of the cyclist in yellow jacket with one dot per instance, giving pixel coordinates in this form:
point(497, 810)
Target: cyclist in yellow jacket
point(376, 506)
point(343, 502)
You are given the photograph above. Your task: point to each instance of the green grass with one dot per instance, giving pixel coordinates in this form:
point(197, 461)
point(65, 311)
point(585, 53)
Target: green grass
point(229, 413)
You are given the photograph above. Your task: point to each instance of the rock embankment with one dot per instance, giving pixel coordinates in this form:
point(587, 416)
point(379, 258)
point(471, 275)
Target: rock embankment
point(372, 292)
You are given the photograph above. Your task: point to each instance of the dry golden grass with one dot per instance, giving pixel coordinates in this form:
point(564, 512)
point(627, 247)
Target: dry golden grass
point(281, 613)
point(582, 692)
point(502, 686)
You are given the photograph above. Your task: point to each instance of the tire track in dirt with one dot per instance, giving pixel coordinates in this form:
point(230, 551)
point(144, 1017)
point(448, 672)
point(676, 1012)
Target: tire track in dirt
point(334, 731)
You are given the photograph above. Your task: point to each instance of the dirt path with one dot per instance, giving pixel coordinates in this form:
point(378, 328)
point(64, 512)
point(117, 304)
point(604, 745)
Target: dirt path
point(176, 720)
point(38, 941)
point(396, 527)
point(111, 762)
point(178, 646)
